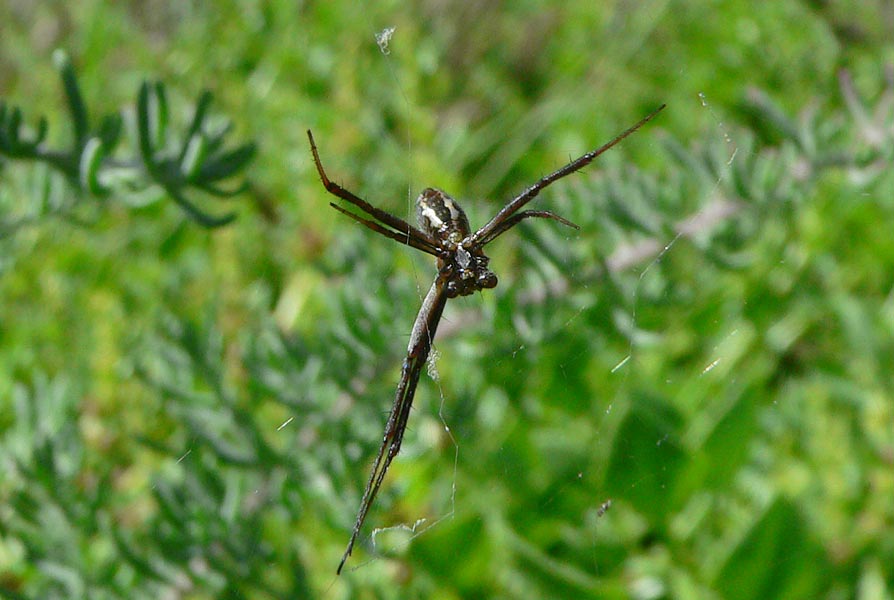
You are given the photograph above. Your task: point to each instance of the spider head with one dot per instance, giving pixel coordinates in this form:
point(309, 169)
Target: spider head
point(467, 272)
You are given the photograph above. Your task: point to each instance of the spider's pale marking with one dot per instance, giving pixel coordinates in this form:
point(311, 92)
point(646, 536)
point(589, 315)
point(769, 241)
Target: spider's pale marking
point(463, 257)
point(432, 217)
point(289, 420)
point(430, 212)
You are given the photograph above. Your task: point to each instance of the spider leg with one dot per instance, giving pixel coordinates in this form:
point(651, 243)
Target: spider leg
point(531, 192)
point(518, 217)
point(385, 217)
point(400, 237)
point(417, 353)
point(397, 422)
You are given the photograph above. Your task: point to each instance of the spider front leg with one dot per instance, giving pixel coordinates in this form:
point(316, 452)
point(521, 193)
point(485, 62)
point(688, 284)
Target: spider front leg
point(397, 423)
point(407, 232)
point(417, 353)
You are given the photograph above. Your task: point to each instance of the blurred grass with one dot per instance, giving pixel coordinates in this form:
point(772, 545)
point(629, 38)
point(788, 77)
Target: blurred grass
point(191, 414)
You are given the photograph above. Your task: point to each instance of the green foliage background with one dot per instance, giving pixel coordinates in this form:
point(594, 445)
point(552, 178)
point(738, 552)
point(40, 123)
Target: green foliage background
point(192, 413)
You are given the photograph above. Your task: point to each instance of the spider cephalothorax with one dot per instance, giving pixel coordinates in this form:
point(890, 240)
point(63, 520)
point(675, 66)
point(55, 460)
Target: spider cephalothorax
point(444, 233)
point(461, 259)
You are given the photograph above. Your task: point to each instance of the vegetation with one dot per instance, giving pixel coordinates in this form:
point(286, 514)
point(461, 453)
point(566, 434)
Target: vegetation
point(689, 398)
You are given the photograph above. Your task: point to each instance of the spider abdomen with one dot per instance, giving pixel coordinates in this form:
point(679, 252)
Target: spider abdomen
point(441, 216)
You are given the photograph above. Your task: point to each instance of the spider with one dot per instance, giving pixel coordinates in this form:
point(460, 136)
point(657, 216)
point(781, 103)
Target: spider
point(443, 232)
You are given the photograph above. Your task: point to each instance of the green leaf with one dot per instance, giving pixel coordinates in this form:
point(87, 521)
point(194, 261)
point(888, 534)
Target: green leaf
point(777, 558)
point(76, 107)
